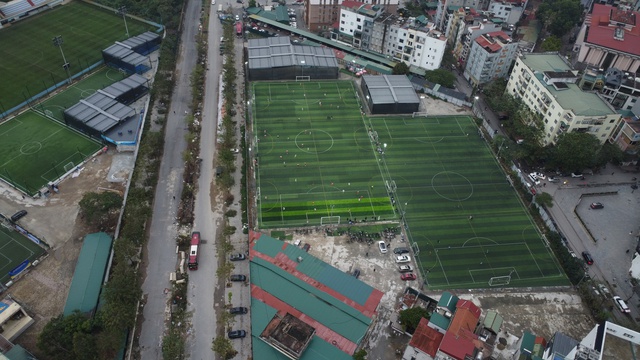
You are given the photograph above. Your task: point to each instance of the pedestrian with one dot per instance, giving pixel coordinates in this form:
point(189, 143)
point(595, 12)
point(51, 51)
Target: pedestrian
point(544, 184)
point(174, 197)
point(366, 254)
point(627, 251)
point(374, 269)
point(612, 173)
point(470, 217)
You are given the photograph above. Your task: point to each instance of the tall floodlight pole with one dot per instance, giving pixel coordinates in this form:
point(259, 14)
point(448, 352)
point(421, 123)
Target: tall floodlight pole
point(122, 10)
point(57, 41)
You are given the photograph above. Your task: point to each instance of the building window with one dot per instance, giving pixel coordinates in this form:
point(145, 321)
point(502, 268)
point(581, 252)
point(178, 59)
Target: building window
point(611, 121)
point(418, 46)
point(358, 19)
point(343, 15)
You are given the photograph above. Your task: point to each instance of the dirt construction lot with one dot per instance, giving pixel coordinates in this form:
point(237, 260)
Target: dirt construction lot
point(43, 290)
point(540, 311)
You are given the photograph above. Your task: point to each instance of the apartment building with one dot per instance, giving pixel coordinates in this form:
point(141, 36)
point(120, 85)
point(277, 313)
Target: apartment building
point(509, 11)
point(490, 58)
point(414, 41)
point(610, 38)
point(548, 86)
point(447, 9)
point(462, 45)
point(323, 15)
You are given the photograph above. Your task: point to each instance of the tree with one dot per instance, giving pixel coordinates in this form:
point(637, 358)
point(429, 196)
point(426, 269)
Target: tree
point(559, 16)
point(411, 317)
point(552, 43)
point(400, 69)
point(575, 151)
point(441, 76)
point(360, 355)
point(544, 199)
point(252, 3)
point(101, 210)
point(64, 335)
point(609, 153)
point(223, 347)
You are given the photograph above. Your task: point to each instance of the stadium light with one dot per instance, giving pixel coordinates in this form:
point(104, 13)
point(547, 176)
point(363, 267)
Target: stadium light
point(122, 10)
point(57, 41)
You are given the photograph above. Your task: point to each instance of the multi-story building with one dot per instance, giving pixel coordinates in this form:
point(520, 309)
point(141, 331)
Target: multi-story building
point(627, 137)
point(447, 9)
point(414, 41)
point(547, 85)
point(356, 22)
point(509, 11)
point(462, 45)
point(610, 37)
point(490, 58)
point(322, 15)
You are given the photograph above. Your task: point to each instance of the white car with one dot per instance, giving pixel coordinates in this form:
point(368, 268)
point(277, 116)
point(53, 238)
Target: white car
point(621, 304)
point(540, 176)
point(534, 179)
point(237, 17)
point(382, 246)
point(405, 268)
point(235, 151)
point(403, 259)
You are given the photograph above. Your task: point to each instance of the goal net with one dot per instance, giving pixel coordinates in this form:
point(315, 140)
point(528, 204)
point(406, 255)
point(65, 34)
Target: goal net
point(303, 78)
point(330, 220)
point(500, 280)
point(419, 114)
point(69, 166)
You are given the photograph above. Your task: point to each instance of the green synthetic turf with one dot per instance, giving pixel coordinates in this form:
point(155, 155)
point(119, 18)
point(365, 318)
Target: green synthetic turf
point(30, 63)
point(460, 210)
point(14, 249)
point(34, 150)
point(315, 156)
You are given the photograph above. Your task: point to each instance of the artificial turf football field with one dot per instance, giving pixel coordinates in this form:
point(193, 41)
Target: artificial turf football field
point(30, 62)
point(317, 158)
point(35, 150)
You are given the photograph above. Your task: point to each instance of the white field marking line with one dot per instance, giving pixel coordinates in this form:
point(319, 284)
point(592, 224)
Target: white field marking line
point(534, 260)
point(21, 154)
point(12, 128)
point(442, 267)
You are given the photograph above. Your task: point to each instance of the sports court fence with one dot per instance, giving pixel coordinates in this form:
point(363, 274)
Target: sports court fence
point(30, 99)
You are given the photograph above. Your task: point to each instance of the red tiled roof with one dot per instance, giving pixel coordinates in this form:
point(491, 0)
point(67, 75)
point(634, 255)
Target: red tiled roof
point(601, 32)
point(352, 4)
point(492, 46)
point(458, 342)
point(426, 339)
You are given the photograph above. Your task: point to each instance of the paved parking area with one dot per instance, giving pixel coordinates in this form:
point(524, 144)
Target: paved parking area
point(606, 233)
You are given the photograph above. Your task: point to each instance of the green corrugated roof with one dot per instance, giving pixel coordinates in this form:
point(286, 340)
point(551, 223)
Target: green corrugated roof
point(322, 307)
point(528, 340)
point(448, 300)
point(493, 321)
point(90, 270)
point(440, 321)
point(582, 103)
point(374, 58)
point(318, 349)
point(17, 352)
point(281, 14)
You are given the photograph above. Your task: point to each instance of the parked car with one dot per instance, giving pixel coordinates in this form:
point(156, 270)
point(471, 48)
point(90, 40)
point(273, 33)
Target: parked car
point(19, 215)
point(587, 257)
point(405, 268)
point(408, 276)
point(577, 175)
point(237, 334)
point(235, 150)
point(356, 273)
point(534, 179)
point(553, 179)
point(540, 176)
point(237, 257)
point(382, 246)
point(306, 247)
point(596, 205)
point(403, 259)
point(622, 306)
point(237, 277)
point(400, 250)
point(240, 310)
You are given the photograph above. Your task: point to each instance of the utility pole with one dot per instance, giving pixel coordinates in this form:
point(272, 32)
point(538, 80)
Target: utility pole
point(57, 42)
point(122, 10)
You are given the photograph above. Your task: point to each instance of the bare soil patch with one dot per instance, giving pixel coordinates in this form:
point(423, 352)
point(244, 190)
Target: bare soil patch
point(43, 290)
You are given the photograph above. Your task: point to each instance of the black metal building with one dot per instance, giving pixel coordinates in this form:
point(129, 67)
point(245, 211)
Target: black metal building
point(389, 94)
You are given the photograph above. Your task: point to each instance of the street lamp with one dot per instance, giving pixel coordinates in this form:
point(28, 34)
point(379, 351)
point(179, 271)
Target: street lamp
point(122, 10)
point(57, 41)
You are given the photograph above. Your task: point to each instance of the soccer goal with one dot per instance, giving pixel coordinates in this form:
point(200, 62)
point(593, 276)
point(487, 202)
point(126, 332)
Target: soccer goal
point(500, 280)
point(5, 223)
point(419, 114)
point(330, 220)
point(303, 78)
point(69, 166)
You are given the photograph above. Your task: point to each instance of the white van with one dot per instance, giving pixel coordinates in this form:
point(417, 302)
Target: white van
point(621, 304)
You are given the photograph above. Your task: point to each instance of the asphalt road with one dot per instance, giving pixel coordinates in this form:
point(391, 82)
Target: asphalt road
point(160, 252)
point(203, 302)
